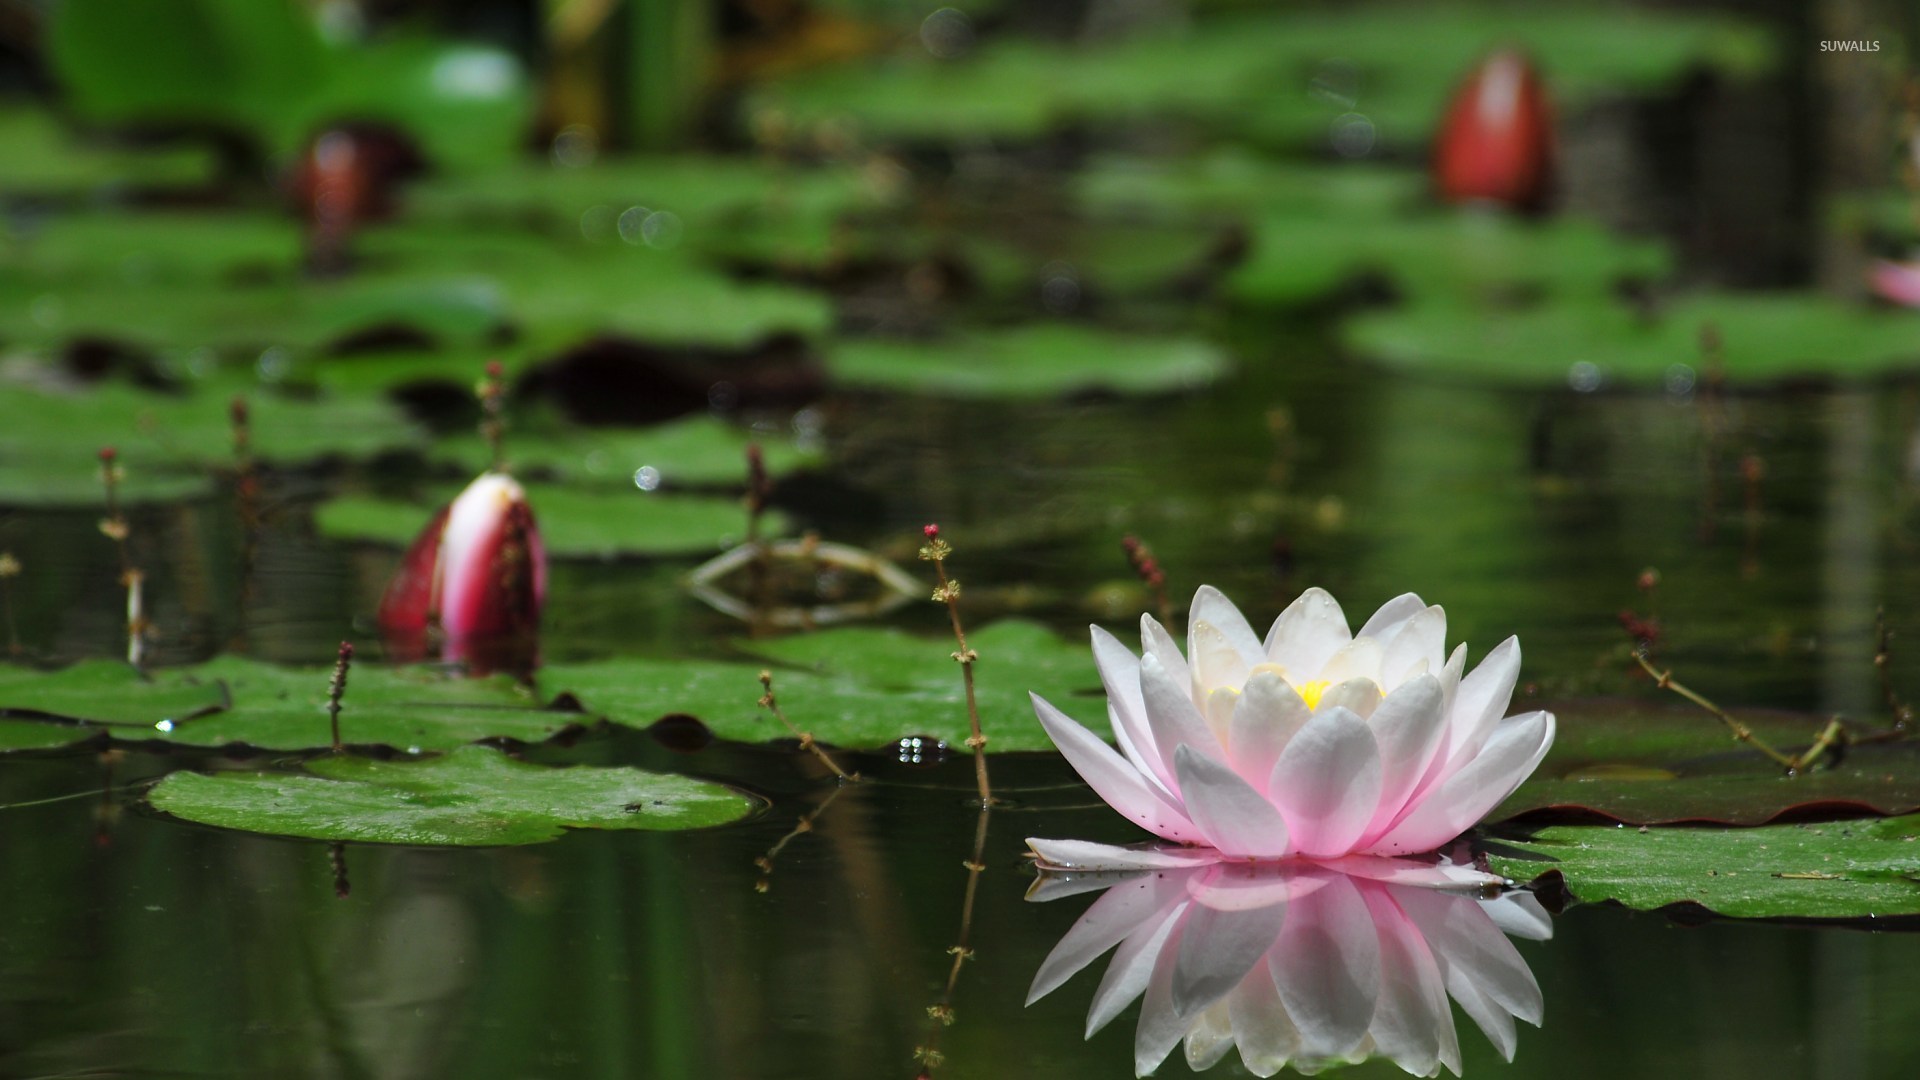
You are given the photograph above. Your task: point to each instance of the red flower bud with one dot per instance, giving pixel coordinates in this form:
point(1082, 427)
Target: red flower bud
point(479, 570)
point(1496, 143)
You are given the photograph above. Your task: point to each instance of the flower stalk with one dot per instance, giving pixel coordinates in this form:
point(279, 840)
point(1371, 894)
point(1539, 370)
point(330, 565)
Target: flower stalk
point(940, 1013)
point(492, 392)
point(9, 569)
point(337, 689)
point(114, 527)
point(800, 828)
point(772, 704)
point(1898, 710)
point(1148, 569)
point(1829, 736)
point(936, 551)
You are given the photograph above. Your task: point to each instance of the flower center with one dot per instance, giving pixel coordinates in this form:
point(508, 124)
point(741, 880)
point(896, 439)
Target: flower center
point(1310, 692)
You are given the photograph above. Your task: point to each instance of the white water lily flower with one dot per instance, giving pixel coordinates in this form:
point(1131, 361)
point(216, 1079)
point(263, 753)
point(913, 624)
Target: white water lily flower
point(1315, 743)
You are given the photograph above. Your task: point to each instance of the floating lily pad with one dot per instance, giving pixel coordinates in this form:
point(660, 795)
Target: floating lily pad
point(473, 796)
point(1234, 182)
point(1645, 762)
point(859, 688)
point(58, 434)
point(170, 247)
point(1443, 258)
point(33, 735)
point(1282, 77)
point(1832, 870)
point(573, 523)
point(699, 451)
point(78, 484)
point(232, 700)
point(40, 156)
point(1766, 337)
point(1030, 362)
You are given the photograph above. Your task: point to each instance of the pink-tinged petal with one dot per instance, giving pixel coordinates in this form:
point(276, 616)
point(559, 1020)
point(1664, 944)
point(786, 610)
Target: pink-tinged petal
point(476, 523)
point(1465, 939)
point(1482, 699)
point(1444, 876)
point(1231, 815)
point(1358, 659)
point(1120, 675)
point(1421, 645)
point(1216, 663)
point(1171, 715)
point(1307, 634)
point(1119, 911)
point(1161, 1026)
point(1261, 1026)
point(1384, 624)
point(1326, 969)
point(1451, 674)
point(1895, 281)
point(407, 605)
point(491, 578)
point(1409, 728)
point(1265, 719)
point(1493, 1021)
point(1519, 914)
point(1217, 949)
point(1088, 857)
point(1156, 642)
point(1327, 783)
point(1465, 797)
point(1231, 639)
point(1219, 709)
point(1142, 761)
point(1209, 1037)
point(1132, 967)
point(1112, 777)
point(1412, 1023)
point(1236, 886)
point(1360, 696)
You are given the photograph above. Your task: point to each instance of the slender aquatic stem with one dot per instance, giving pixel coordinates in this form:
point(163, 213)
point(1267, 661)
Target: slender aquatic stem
point(9, 569)
point(1899, 711)
point(1148, 569)
point(114, 526)
point(1834, 732)
point(801, 827)
point(941, 1012)
point(336, 689)
point(772, 705)
point(936, 551)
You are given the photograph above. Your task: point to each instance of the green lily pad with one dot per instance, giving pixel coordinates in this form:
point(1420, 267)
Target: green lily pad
point(33, 735)
point(170, 246)
point(699, 451)
point(1654, 762)
point(1444, 259)
point(78, 484)
point(1765, 338)
point(39, 156)
point(1029, 362)
point(58, 435)
point(471, 797)
point(573, 523)
point(233, 700)
point(858, 687)
point(1828, 870)
point(1265, 75)
point(1235, 182)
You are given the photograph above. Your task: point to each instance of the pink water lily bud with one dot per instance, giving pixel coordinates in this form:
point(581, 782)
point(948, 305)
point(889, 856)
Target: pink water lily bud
point(1303, 965)
point(478, 572)
point(1496, 142)
point(1898, 282)
point(1315, 743)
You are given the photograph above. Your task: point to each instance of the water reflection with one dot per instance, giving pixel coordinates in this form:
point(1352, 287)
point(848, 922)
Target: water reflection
point(1301, 964)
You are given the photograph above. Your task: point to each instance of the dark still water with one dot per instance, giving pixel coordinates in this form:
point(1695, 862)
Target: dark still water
point(135, 945)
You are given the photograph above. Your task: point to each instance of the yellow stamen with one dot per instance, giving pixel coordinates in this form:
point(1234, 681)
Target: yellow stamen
point(1310, 692)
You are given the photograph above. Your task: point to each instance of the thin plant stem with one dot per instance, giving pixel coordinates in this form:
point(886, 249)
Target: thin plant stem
point(492, 393)
point(1900, 712)
point(936, 551)
point(941, 1013)
point(772, 705)
point(1150, 573)
point(9, 569)
point(337, 689)
point(337, 862)
point(1741, 732)
point(801, 827)
point(114, 526)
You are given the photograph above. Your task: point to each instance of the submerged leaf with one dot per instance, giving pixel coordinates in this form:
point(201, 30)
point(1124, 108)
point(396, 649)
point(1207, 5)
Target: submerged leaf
point(473, 796)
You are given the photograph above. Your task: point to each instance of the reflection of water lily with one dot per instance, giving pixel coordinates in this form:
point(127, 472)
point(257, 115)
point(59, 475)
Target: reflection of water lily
point(1316, 743)
point(480, 571)
point(1300, 964)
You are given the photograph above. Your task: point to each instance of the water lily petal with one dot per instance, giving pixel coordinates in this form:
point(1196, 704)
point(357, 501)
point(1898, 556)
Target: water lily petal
point(1519, 914)
point(1463, 937)
point(1260, 1022)
point(1358, 695)
point(1156, 642)
point(1161, 1026)
point(1112, 777)
point(1445, 812)
point(1307, 633)
point(1120, 675)
point(1326, 969)
point(1482, 699)
point(1265, 719)
point(1358, 659)
point(1409, 727)
point(1392, 617)
point(1209, 1037)
point(1420, 645)
point(1327, 783)
point(1412, 1022)
point(1217, 949)
point(1085, 855)
point(1444, 876)
point(1172, 716)
point(1106, 923)
point(1230, 643)
point(1231, 815)
point(1132, 967)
